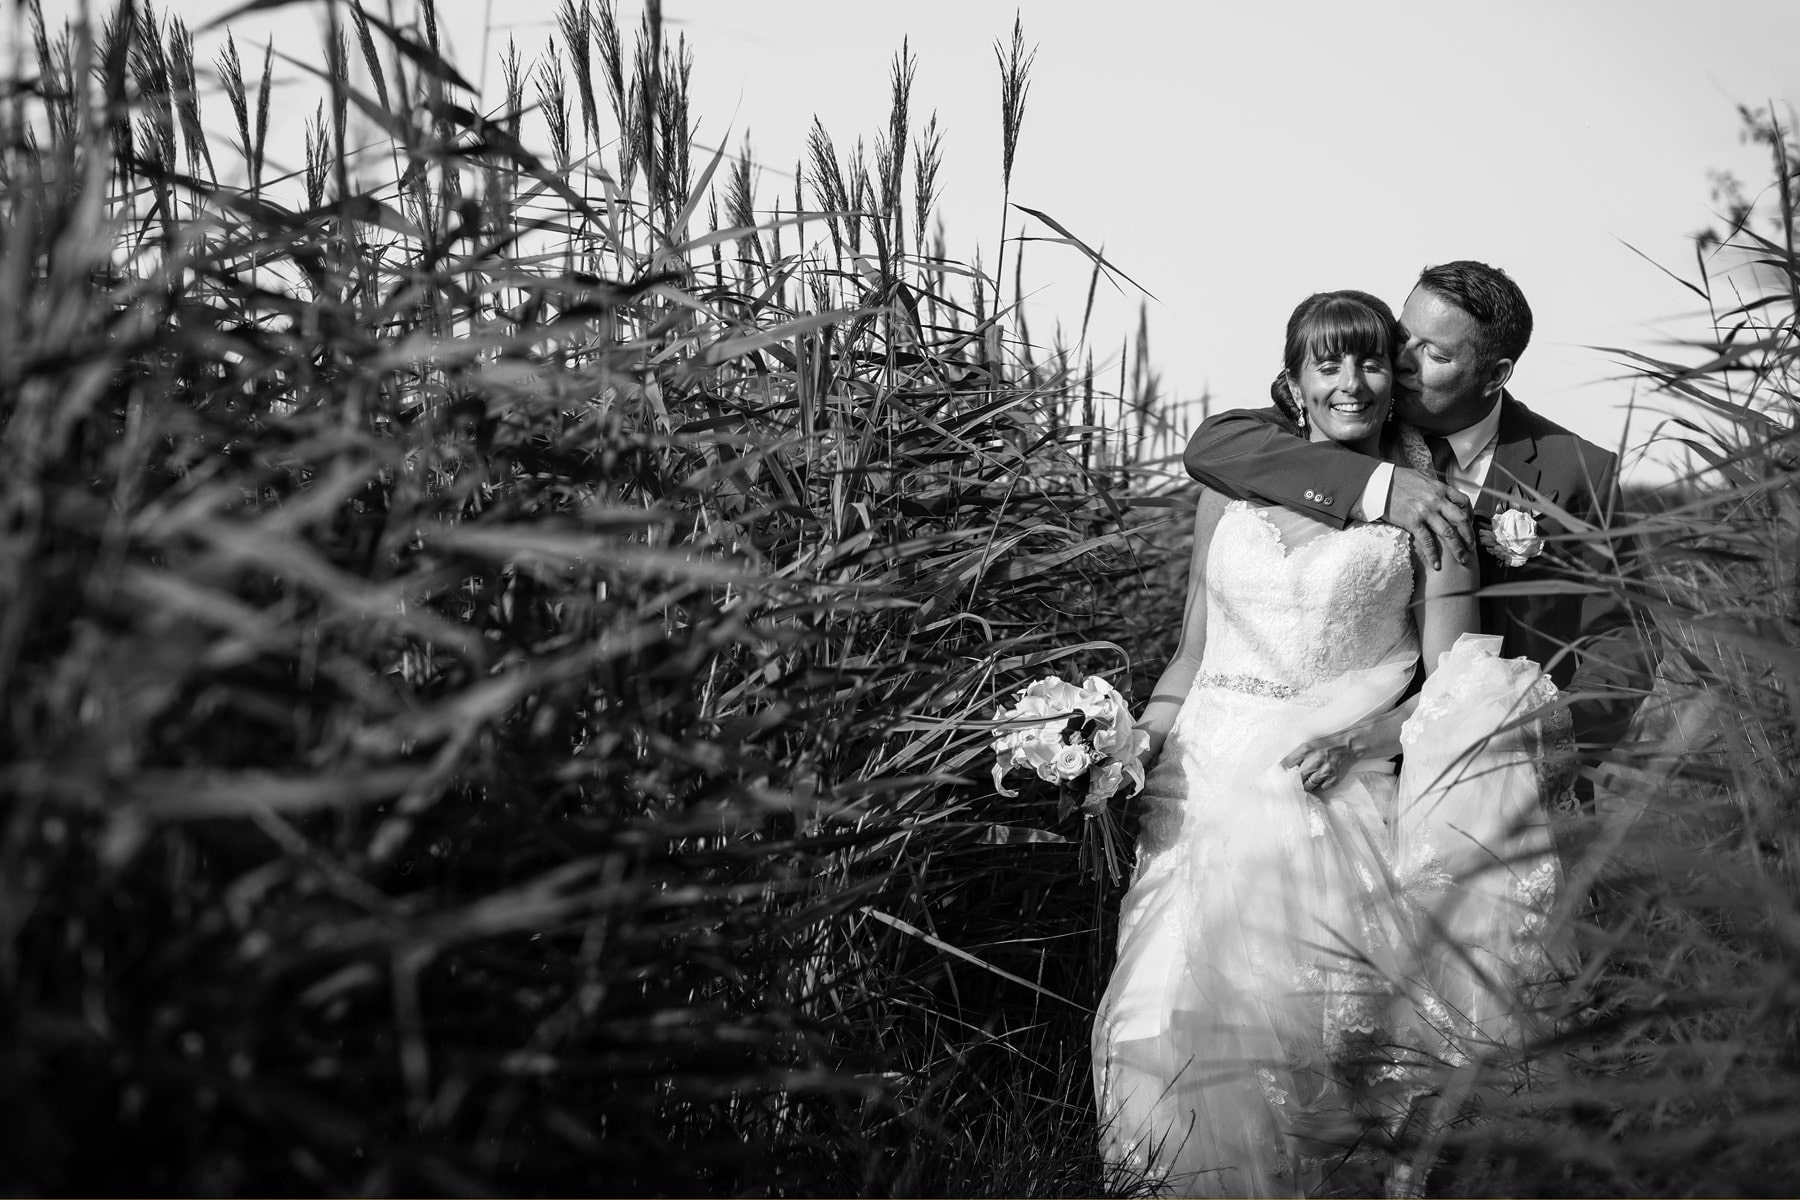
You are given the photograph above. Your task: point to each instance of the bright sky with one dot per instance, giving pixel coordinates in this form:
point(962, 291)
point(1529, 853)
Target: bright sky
point(1235, 157)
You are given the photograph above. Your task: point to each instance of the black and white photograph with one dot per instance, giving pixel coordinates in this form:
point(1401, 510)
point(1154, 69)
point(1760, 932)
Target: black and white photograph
point(795, 598)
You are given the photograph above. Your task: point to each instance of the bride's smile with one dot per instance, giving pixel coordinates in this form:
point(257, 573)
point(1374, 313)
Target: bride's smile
point(1346, 396)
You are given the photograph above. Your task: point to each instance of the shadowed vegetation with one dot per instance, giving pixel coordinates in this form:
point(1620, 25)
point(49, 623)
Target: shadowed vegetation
point(501, 614)
point(499, 622)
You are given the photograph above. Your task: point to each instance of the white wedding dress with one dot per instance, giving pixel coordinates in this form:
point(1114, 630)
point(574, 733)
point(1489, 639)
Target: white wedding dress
point(1282, 962)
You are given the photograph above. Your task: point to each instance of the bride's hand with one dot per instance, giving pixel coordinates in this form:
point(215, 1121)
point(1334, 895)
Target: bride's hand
point(1321, 762)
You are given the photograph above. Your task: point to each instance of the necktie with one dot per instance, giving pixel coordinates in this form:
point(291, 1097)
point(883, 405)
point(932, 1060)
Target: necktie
point(1443, 458)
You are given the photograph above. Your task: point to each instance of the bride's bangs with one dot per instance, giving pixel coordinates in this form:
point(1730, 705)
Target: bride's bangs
point(1344, 326)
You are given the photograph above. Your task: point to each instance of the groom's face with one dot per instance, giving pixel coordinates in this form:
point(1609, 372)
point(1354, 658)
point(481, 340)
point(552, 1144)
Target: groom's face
point(1443, 381)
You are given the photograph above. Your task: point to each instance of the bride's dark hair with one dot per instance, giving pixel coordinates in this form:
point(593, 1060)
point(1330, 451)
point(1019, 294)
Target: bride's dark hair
point(1330, 324)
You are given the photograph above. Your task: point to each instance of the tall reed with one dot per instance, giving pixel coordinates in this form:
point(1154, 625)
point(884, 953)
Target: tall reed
point(496, 673)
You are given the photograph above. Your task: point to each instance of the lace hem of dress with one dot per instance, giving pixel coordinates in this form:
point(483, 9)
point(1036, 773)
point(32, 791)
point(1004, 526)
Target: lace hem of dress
point(1557, 765)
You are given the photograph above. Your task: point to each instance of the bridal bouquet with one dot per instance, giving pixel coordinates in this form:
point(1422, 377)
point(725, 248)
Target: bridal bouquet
point(1083, 740)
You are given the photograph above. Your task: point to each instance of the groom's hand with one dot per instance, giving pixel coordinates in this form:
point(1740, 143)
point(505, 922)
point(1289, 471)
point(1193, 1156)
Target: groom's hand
point(1434, 512)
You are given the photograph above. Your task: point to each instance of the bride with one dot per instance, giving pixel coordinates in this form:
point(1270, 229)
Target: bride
point(1276, 981)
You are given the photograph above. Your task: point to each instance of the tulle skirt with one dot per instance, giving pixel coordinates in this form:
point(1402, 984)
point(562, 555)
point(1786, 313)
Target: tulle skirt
point(1475, 862)
point(1291, 969)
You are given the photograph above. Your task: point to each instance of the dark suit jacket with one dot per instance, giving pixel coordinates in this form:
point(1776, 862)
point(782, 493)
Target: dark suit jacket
point(1585, 640)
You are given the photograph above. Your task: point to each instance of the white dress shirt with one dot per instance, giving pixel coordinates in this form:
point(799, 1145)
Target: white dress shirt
point(1474, 451)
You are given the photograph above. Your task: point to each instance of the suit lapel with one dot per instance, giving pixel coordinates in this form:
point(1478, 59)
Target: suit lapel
point(1513, 469)
point(1512, 473)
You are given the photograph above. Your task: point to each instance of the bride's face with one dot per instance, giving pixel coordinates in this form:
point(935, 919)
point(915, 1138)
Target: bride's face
point(1347, 397)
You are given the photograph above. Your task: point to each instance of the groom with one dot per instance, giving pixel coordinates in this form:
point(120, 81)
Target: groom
point(1465, 325)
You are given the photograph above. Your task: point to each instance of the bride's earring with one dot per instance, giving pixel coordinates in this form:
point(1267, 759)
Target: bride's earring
point(1299, 408)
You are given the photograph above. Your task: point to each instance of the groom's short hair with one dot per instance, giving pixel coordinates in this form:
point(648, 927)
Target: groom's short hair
point(1490, 296)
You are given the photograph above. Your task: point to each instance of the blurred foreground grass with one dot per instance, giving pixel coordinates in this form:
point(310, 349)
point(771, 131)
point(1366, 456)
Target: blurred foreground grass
point(1676, 1071)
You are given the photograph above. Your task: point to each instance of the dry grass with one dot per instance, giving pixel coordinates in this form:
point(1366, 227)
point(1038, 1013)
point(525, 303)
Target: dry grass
point(492, 658)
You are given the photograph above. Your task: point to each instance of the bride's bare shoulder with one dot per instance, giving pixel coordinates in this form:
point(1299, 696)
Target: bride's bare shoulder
point(1209, 506)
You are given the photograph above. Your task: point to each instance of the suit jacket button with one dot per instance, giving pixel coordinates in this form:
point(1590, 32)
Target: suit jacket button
point(1309, 494)
point(1326, 501)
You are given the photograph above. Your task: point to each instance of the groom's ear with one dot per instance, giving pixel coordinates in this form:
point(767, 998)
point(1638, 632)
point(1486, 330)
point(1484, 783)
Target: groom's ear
point(1498, 373)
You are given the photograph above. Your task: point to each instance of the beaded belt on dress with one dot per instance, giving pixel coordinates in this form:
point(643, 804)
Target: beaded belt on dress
point(1249, 684)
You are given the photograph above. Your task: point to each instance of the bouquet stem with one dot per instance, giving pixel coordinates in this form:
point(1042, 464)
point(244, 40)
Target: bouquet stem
point(1102, 845)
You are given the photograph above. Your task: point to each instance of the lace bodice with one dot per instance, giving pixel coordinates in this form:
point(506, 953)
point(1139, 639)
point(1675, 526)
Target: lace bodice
point(1293, 603)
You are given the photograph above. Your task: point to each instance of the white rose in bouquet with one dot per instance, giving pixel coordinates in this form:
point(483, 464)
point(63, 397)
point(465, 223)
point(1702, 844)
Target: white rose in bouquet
point(1072, 762)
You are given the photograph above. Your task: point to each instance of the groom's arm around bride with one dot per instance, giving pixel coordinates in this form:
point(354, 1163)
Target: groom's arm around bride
point(1259, 454)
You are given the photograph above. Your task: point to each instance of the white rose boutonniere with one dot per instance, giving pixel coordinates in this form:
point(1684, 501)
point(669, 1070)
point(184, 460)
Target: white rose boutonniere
point(1516, 537)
